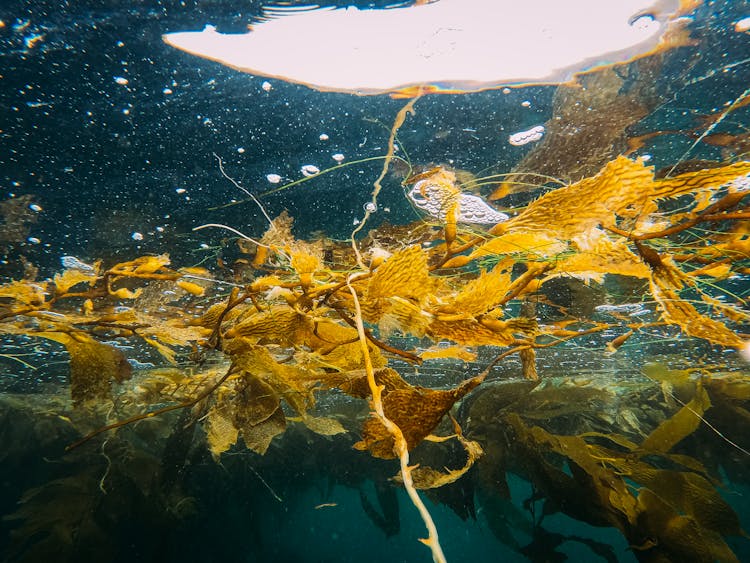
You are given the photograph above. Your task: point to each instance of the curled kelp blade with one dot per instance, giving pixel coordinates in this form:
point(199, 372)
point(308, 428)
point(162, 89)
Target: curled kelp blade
point(444, 46)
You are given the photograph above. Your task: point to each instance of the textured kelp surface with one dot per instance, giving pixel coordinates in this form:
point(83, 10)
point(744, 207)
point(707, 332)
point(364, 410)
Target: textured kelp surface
point(523, 311)
point(315, 321)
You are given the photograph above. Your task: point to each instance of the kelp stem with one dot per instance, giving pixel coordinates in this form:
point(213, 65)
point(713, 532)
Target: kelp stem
point(400, 446)
point(398, 122)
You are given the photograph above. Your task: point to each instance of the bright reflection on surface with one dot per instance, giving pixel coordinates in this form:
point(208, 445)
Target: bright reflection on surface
point(454, 44)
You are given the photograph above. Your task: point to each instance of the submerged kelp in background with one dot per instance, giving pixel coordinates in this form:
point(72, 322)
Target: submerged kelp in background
point(553, 353)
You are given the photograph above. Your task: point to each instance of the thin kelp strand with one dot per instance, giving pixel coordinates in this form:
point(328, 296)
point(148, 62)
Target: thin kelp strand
point(503, 177)
point(716, 71)
point(721, 290)
point(16, 358)
point(474, 185)
point(212, 280)
point(239, 187)
point(735, 104)
point(328, 171)
point(698, 415)
point(377, 186)
point(232, 230)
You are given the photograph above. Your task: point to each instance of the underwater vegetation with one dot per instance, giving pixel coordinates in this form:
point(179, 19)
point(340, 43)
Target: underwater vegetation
point(541, 360)
point(312, 327)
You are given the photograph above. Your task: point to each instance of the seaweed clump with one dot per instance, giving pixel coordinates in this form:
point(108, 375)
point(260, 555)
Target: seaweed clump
point(314, 319)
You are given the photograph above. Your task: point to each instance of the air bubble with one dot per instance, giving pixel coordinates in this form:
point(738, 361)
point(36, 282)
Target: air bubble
point(309, 170)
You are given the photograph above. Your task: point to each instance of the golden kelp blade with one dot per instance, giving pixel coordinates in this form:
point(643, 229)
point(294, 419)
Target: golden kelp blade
point(664, 286)
point(416, 411)
point(445, 46)
point(93, 366)
point(624, 190)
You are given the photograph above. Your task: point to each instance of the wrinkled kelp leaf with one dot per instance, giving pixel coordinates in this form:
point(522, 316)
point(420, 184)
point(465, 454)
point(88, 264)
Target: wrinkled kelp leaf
point(323, 425)
point(93, 366)
point(457, 352)
point(683, 423)
point(415, 410)
point(290, 382)
point(221, 431)
point(690, 494)
point(624, 188)
point(677, 537)
point(72, 277)
point(256, 412)
point(404, 277)
point(54, 516)
point(257, 437)
point(665, 282)
point(429, 478)
point(278, 323)
point(664, 504)
point(480, 294)
point(29, 294)
point(252, 409)
point(482, 332)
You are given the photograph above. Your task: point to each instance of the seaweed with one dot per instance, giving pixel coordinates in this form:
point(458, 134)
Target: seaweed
point(252, 363)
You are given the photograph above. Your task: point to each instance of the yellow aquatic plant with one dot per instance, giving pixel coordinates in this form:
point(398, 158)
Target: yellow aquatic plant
point(304, 325)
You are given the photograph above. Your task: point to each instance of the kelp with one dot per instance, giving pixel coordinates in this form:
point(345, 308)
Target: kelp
point(93, 366)
point(611, 477)
point(653, 519)
point(314, 319)
point(415, 410)
point(596, 116)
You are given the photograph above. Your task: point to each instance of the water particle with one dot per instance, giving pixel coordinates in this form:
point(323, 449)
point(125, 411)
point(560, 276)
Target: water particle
point(323, 137)
point(526, 104)
point(370, 207)
point(33, 240)
point(121, 80)
point(167, 91)
point(742, 25)
point(136, 236)
point(309, 170)
point(506, 90)
point(180, 190)
point(32, 40)
point(35, 207)
point(529, 136)
point(338, 157)
point(745, 350)
point(266, 86)
point(273, 178)
point(240, 150)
